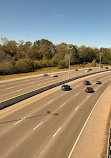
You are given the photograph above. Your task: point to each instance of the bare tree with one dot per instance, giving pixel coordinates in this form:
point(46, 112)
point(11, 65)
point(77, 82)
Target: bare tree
point(4, 40)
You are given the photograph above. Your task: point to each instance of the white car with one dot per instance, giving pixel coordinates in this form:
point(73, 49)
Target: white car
point(54, 75)
point(86, 70)
point(44, 74)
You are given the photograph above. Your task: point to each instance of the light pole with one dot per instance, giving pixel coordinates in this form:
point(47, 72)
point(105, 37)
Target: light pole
point(69, 59)
point(100, 60)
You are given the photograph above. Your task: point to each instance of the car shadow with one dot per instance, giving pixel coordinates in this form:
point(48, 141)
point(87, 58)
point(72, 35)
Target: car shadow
point(32, 117)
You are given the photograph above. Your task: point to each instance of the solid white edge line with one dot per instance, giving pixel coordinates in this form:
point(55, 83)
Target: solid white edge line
point(86, 123)
point(37, 126)
point(76, 108)
point(56, 132)
point(19, 121)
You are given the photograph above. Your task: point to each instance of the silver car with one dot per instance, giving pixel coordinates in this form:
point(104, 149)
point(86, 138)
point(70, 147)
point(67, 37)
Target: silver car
point(54, 75)
point(44, 74)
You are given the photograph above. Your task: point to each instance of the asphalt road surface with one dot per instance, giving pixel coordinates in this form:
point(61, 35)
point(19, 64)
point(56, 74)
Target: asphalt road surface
point(12, 88)
point(48, 126)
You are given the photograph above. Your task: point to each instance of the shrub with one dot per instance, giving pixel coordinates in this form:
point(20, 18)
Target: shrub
point(61, 64)
point(24, 65)
point(37, 64)
point(6, 68)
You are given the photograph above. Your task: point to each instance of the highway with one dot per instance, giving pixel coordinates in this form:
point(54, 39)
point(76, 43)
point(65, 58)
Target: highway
point(12, 88)
point(47, 125)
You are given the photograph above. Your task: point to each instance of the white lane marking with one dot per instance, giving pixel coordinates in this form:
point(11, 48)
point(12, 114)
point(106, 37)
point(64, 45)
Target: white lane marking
point(77, 94)
point(50, 101)
point(9, 87)
point(88, 96)
point(86, 123)
point(57, 132)
point(37, 126)
point(62, 105)
point(76, 108)
point(19, 121)
point(19, 90)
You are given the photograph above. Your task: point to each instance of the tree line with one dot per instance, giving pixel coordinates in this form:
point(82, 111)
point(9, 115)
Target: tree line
point(21, 57)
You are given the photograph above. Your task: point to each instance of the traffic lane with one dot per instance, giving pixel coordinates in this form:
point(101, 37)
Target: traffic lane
point(64, 141)
point(37, 106)
point(47, 100)
point(28, 129)
point(28, 79)
point(34, 79)
point(38, 79)
point(75, 85)
point(8, 139)
point(10, 92)
point(7, 122)
point(32, 85)
point(47, 134)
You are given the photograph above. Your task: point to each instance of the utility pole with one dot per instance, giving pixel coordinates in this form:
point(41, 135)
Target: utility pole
point(100, 60)
point(69, 61)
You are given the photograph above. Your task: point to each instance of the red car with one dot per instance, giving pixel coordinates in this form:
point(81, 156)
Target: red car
point(89, 90)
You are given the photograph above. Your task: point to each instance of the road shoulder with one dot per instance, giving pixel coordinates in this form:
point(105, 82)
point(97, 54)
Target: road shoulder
point(92, 141)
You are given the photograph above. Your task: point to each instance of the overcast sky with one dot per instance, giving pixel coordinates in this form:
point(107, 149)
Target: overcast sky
point(79, 22)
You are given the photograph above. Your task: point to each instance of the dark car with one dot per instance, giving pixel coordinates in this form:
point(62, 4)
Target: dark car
point(98, 82)
point(89, 90)
point(90, 69)
point(106, 67)
point(66, 87)
point(86, 83)
point(75, 69)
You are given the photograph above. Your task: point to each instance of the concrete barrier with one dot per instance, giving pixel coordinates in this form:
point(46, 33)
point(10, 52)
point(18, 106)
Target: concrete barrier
point(24, 96)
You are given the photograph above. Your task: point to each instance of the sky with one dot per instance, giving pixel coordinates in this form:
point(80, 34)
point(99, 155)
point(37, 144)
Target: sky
point(78, 22)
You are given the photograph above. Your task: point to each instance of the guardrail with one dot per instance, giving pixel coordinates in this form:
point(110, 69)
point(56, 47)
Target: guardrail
point(24, 96)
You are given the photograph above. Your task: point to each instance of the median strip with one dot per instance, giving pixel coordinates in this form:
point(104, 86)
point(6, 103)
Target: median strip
point(18, 98)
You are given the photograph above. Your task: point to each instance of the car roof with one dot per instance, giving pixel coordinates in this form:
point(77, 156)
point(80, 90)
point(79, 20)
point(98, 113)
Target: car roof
point(65, 85)
point(88, 87)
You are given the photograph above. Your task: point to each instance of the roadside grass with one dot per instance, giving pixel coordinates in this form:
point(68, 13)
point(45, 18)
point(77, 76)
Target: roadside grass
point(43, 70)
point(103, 155)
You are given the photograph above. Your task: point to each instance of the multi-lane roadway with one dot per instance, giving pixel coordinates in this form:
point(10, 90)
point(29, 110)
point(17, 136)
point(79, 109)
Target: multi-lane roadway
point(13, 88)
point(48, 126)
